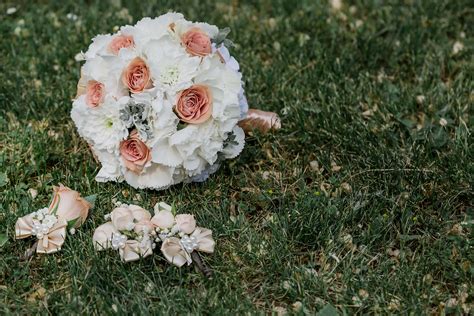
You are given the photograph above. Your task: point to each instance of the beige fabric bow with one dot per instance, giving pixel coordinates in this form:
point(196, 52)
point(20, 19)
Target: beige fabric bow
point(175, 253)
point(132, 249)
point(51, 242)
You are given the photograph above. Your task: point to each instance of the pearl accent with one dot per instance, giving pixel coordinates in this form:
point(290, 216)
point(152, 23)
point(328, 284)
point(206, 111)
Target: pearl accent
point(42, 223)
point(189, 243)
point(118, 241)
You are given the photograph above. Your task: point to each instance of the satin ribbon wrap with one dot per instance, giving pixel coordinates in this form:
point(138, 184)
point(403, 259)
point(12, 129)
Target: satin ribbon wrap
point(50, 242)
point(175, 253)
point(262, 121)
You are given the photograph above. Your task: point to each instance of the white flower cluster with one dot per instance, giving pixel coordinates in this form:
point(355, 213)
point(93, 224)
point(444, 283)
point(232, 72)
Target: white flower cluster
point(42, 222)
point(159, 102)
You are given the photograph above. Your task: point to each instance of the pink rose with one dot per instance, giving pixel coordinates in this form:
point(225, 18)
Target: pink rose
point(186, 223)
point(136, 76)
point(94, 93)
point(134, 152)
point(197, 42)
point(119, 42)
point(69, 205)
point(194, 105)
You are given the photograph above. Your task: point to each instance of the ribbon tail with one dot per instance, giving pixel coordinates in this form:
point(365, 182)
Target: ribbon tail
point(173, 252)
point(23, 227)
point(204, 239)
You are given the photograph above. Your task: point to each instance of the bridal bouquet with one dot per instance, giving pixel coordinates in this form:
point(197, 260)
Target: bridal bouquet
point(159, 102)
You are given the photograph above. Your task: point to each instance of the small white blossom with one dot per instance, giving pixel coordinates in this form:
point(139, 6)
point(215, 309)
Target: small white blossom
point(336, 4)
point(420, 99)
point(457, 47)
point(11, 10)
point(71, 16)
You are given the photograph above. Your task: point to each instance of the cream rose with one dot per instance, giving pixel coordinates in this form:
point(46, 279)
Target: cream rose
point(136, 76)
point(69, 205)
point(196, 42)
point(122, 218)
point(135, 153)
point(141, 218)
point(185, 223)
point(94, 93)
point(119, 42)
point(194, 105)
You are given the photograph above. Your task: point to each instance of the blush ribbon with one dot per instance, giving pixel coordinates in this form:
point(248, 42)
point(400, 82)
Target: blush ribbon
point(50, 242)
point(178, 253)
point(262, 121)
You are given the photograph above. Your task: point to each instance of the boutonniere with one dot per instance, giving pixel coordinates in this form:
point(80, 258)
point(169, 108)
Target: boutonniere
point(49, 225)
point(134, 233)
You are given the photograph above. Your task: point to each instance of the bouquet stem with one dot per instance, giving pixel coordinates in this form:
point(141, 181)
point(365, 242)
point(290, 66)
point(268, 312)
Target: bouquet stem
point(29, 252)
point(201, 265)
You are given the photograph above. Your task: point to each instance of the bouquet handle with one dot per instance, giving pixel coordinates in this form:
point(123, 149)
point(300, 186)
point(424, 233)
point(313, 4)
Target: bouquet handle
point(262, 121)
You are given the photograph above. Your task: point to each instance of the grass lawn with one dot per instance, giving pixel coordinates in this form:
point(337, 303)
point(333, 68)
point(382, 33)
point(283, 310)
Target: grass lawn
point(361, 203)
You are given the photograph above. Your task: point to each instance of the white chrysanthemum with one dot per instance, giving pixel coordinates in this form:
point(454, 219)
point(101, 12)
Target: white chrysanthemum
point(101, 125)
point(171, 68)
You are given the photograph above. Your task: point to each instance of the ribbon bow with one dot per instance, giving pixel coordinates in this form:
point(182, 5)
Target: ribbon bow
point(50, 239)
point(107, 236)
point(178, 250)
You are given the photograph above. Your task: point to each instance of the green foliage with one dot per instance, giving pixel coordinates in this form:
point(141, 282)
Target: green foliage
point(360, 204)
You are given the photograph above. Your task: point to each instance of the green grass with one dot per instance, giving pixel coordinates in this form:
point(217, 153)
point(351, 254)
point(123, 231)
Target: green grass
point(390, 231)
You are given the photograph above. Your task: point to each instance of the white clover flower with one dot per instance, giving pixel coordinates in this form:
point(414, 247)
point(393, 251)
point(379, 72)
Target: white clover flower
point(11, 10)
point(457, 47)
point(71, 16)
